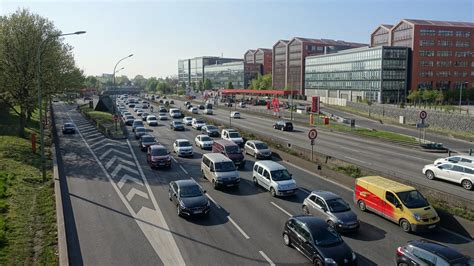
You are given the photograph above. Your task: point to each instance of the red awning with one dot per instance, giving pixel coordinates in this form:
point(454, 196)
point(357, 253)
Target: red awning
point(259, 92)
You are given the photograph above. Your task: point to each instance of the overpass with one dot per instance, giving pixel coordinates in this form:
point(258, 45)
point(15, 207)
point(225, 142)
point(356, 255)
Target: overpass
point(121, 90)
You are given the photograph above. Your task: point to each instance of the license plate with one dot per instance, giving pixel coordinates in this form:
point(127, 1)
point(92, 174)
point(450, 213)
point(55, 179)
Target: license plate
point(230, 185)
point(197, 212)
point(161, 164)
point(432, 226)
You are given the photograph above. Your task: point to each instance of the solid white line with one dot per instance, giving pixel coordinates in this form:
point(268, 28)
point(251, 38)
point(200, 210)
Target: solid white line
point(456, 234)
point(215, 202)
point(174, 160)
point(98, 142)
point(184, 170)
point(318, 176)
point(266, 258)
point(357, 160)
point(281, 209)
point(238, 228)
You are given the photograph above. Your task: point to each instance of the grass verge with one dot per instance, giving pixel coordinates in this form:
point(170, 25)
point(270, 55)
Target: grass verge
point(380, 134)
point(28, 232)
point(103, 120)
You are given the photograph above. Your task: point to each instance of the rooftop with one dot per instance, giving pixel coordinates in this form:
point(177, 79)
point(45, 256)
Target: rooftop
point(439, 23)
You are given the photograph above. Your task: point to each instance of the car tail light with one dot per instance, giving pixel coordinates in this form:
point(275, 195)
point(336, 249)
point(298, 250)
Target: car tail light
point(400, 251)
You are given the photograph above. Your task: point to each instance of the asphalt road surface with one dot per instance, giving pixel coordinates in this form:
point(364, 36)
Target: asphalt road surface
point(400, 161)
point(119, 212)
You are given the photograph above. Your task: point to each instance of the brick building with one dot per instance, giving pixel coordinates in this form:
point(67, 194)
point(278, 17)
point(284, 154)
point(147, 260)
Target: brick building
point(279, 55)
point(263, 56)
point(249, 57)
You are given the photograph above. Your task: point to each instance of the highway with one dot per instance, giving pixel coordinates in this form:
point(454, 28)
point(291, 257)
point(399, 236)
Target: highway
point(119, 212)
point(385, 157)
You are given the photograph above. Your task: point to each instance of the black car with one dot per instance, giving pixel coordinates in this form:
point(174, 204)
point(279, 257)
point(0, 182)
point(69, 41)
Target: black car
point(160, 101)
point(189, 198)
point(210, 130)
point(420, 252)
point(171, 102)
point(146, 141)
point(283, 125)
point(69, 128)
point(228, 104)
point(201, 107)
point(319, 242)
point(177, 125)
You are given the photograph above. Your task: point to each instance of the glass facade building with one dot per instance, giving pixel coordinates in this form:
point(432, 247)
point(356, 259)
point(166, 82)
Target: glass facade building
point(239, 73)
point(183, 72)
point(378, 74)
point(192, 70)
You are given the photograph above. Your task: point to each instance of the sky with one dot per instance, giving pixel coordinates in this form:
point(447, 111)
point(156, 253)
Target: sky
point(158, 33)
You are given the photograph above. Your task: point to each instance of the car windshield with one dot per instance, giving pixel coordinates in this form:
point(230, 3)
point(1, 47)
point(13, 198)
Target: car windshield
point(151, 118)
point(138, 123)
point(190, 191)
point(225, 167)
point(174, 111)
point(232, 149)
point(211, 128)
point(140, 129)
point(338, 205)
point(412, 199)
point(326, 236)
point(234, 135)
point(159, 152)
point(130, 117)
point(261, 146)
point(199, 122)
point(280, 175)
point(68, 125)
point(205, 138)
point(176, 123)
point(188, 118)
point(184, 144)
point(148, 139)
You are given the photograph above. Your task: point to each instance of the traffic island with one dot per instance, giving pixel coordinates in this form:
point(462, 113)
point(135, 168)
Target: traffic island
point(105, 123)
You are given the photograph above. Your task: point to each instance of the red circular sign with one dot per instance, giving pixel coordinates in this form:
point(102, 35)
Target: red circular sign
point(423, 114)
point(115, 117)
point(312, 134)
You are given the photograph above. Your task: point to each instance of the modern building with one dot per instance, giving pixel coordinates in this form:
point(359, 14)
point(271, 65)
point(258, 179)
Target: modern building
point(279, 55)
point(239, 73)
point(249, 57)
point(381, 35)
point(296, 52)
point(377, 74)
point(442, 52)
point(192, 70)
point(263, 56)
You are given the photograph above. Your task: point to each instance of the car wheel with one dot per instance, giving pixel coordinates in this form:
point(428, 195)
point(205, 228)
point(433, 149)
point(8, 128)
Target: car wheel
point(282, 129)
point(361, 205)
point(286, 240)
point(466, 184)
point(430, 175)
point(272, 191)
point(274, 127)
point(214, 184)
point(169, 195)
point(179, 210)
point(318, 261)
point(255, 181)
point(255, 155)
point(405, 225)
point(305, 209)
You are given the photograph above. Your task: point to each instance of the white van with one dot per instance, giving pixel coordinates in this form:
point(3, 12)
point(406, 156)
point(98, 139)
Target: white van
point(274, 177)
point(219, 170)
point(175, 113)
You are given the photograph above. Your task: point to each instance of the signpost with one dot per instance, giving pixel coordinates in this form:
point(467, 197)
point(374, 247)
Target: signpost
point(115, 120)
point(422, 126)
point(312, 135)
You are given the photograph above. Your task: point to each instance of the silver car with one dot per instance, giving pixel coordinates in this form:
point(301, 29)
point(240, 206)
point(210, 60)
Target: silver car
point(333, 209)
point(258, 149)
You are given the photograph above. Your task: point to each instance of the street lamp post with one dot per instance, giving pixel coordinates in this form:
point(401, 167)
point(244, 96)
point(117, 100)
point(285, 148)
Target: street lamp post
point(460, 94)
point(115, 89)
point(40, 100)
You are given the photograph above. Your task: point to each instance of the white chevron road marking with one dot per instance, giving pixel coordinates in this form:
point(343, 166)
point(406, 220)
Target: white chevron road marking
point(126, 178)
point(120, 167)
point(116, 151)
point(134, 192)
point(115, 158)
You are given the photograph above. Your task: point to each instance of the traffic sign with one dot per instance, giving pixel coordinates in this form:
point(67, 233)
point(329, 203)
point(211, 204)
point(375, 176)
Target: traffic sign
point(423, 114)
point(312, 134)
point(312, 142)
point(115, 117)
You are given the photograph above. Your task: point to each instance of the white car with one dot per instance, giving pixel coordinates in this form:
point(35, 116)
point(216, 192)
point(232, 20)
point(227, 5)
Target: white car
point(208, 111)
point(454, 172)
point(274, 177)
point(235, 114)
point(242, 105)
point(182, 147)
point(197, 123)
point(137, 107)
point(187, 120)
point(203, 141)
point(258, 149)
point(175, 113)
point(163, 116)
point(151, 120)
point(232, 135)
point(194, 110)
point(140, 112)
point(465, 159)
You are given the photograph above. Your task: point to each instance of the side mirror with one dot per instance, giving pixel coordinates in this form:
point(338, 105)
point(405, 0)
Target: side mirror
point(204, 191)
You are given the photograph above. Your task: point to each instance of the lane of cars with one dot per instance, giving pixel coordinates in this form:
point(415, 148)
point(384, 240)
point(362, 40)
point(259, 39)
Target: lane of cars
point(262, 170)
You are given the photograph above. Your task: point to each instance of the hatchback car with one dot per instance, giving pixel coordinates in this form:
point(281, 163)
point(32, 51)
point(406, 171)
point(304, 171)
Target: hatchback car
point(193, 110)
point(139, 131)
point(144, 115)
point(210, 130)
point(333, 209)
point(235, 114)
point(177, 125)
point(425, 252)
point(128, 120)
point(459, 173)
point(203, 142)
point(197, 123)
point(283, 126)
point(137, 123)
point(208, 112)
point(466, 159)
point(317, 241)
point(258, 149)
point(182, 147)
point(188, 121)
point(146, 141)
point(162, 116)
point(69, 128)
point(158, 156)
point(189, 198)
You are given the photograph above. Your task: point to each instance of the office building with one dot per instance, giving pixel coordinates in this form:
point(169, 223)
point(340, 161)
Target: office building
point(377, 74)
point(249, 57)
point(442, 52)
point(279, 64)
point(381, 35)
point(192, 70)
point(263, 56)
point(239, 73)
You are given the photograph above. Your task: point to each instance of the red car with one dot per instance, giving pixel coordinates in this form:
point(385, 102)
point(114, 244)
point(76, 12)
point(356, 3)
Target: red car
point(158, 156)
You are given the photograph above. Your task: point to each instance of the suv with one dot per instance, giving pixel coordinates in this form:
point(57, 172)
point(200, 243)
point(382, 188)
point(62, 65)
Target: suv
point(232, 135)
point(283, 126)
point(274, 177)
point(158, 156)
point(197, 123)
point(219, 170)
point(231, 150)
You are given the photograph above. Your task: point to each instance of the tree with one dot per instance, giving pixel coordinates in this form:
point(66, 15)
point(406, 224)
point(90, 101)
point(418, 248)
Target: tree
point(230, 85)
point(265, 82)
point(414, 96)
point(183, 85)
point(429, 96)
point(122, 81)
point(207, 84)
point(139, 81)
point(151, 84)
point(21, 34)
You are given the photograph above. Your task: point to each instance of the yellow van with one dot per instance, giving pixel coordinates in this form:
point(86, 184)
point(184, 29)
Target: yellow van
point(397, 202)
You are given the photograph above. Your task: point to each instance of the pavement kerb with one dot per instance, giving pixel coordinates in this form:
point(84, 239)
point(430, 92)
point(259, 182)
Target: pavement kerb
point(62, 244)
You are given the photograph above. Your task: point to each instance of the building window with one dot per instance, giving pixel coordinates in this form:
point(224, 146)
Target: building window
point(445, 33)
point(462, 54)
point(443, 74)
point(443, 63)
point(445, 53)
point(459, 74)
point(426, 43)
point(444, 43)
point(424, 74)
point(462, 44)
point(461, 64)
point(425, 32)
point(426, 63)
point(465, 34)
point(427, 53)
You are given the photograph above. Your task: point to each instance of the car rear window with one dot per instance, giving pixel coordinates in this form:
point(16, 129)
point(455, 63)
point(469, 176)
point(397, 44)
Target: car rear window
point(184, 144)
point(148, 139)
point(159, 152)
